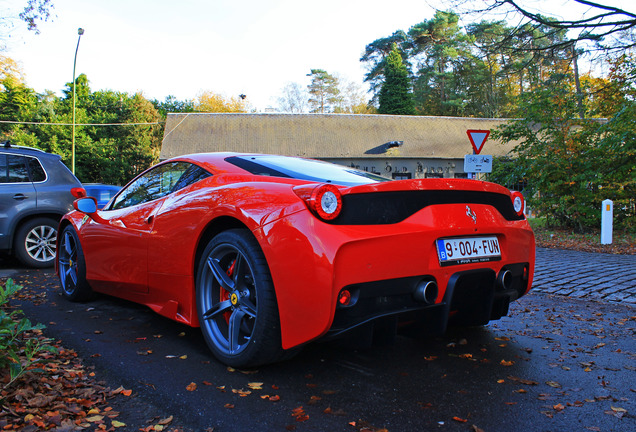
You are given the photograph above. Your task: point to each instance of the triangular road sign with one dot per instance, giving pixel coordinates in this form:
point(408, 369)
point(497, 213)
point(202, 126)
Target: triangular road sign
point(477, 138)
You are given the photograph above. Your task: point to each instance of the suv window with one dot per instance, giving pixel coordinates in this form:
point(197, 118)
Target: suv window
point(36, 170)
point(4, 178)
point(15, 169)
point(158, 182)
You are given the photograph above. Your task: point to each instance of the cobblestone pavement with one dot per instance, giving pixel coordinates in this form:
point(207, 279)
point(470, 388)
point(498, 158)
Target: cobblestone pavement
point(586, 275)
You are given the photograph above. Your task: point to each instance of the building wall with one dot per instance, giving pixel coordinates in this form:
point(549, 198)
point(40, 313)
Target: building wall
point(402, 168)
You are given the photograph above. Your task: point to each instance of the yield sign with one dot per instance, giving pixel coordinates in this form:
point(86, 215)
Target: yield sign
point(477, 138)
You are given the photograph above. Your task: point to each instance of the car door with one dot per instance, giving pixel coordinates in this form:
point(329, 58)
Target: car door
point(116, 250)
point(17, 195)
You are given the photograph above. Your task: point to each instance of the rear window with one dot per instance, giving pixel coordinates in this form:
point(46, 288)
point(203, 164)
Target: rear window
point(37, 172)
point(304, 169)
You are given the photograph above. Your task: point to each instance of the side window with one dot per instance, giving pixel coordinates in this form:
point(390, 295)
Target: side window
point(158, 182)
point(192, 175)
point(37, 172)
point(18, 171)
point(4, 178)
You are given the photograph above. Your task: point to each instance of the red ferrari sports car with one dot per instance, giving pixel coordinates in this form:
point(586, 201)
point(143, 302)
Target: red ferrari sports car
point(266, 253)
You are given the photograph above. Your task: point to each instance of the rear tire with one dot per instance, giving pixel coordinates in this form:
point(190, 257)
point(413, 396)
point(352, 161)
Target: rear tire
point(236, 302)
point(35, 242)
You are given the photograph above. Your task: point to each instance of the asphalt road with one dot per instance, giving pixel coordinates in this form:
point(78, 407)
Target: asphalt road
point(555, 363)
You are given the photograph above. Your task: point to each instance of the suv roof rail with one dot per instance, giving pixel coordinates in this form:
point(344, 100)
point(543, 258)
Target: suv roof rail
point(7, 144)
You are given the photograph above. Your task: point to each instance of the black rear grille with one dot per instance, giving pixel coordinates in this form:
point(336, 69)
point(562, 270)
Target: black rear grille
point(382, 208)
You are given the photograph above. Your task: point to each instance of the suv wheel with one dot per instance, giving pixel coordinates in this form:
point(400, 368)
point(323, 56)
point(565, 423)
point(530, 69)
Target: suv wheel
point(35, 242)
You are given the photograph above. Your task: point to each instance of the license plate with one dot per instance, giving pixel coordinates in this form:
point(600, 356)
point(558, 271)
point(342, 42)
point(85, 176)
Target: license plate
point(467, 250)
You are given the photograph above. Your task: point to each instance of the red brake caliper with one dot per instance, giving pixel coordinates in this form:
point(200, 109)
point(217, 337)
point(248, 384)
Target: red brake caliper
point(225, 294)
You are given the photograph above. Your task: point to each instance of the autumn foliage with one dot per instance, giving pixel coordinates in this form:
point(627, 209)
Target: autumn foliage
point(44, 386)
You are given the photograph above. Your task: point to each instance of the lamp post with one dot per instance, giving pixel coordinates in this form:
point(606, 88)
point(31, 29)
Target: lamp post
point(80, 32)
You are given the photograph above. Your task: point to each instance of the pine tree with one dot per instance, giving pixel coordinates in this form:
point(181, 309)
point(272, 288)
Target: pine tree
point(324, 93)
point(395, 96)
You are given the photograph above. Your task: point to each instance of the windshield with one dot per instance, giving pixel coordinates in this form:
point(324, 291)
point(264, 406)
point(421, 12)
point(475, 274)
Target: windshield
point(304, 169)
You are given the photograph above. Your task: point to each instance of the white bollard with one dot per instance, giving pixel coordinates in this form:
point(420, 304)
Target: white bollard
point(607, 215)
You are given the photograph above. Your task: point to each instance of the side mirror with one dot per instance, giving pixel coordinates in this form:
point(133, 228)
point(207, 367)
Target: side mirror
point(88, 206)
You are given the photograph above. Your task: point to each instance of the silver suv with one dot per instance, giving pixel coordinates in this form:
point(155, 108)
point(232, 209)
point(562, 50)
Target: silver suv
point(35, 191)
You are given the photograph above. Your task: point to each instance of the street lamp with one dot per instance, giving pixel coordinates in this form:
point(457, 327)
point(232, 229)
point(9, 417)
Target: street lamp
point(80, 32)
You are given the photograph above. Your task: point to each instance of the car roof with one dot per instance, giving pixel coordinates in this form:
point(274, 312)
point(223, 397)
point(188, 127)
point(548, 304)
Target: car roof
point(214, 161)
point(27, 151)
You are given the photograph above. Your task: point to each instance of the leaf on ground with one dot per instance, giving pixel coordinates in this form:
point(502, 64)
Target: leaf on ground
point(191, 387)
point(558, 407)
point(166, 421)
point(522, 381)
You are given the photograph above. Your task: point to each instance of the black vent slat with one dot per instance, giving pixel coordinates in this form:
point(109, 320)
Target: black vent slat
point(382, 208)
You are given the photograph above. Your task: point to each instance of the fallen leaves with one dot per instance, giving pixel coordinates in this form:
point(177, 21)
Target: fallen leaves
point(616, 412)
point(299, 414)
point(121, 390)
point(60, 394)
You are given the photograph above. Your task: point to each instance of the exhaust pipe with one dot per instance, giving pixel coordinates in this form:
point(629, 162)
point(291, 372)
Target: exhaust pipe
point(504, 280)
point(426, 292)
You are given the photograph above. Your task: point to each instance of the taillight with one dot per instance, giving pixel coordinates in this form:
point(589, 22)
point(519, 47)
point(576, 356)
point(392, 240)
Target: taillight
point(324, 200)
point(78, 192)
point(517, 202)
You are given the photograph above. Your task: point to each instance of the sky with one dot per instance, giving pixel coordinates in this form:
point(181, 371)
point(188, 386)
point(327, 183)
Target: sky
point(181, 48)
point(185, 47)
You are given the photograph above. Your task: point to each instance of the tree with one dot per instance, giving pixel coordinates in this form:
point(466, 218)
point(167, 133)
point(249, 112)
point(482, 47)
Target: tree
point(324, 94)
point(571, 164)
point(395, 95)
point(9, 68)
point(34, 11)
point(211, 102)
point(353, 99)
point(443, 52)
point(17, 103)
point(375, 55)
point(605, 27)
point(550, 153)
point(119, 136)
point(172, 105)
point(294, 98)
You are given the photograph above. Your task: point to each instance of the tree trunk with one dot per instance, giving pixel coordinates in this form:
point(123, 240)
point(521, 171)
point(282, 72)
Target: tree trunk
point(577, 81)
